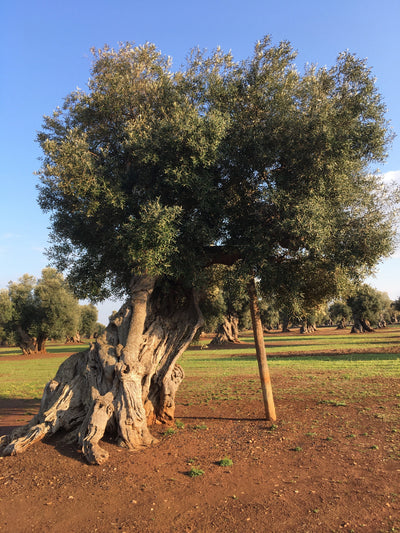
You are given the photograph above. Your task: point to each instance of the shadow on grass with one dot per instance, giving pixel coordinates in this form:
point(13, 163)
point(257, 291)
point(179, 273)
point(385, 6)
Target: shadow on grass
point(52, 350)
point(350, 357)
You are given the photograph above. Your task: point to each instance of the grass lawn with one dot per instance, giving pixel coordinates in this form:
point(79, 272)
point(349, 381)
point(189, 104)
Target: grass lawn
point(26, 379)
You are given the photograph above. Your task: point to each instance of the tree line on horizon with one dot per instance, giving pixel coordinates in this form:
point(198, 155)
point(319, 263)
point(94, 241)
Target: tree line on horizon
point(225, 307)
point(32, 311)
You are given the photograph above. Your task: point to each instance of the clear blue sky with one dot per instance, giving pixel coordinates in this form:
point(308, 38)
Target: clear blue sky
point(45, 54)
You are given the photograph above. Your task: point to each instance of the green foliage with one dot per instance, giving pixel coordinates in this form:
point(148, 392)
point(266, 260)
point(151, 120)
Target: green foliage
point(39, 309)
point(338, 311)
point(56, 307)
point(194, 472)
point(225, 462)
point(99, 329)
point(153, 171)
point(369, 304)
point(225, 293)
point(6, 313)
point(88, 320)
point(129, 173)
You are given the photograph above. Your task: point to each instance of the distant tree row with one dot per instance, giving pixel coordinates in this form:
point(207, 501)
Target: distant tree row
point(225, 307)
point(33, 311)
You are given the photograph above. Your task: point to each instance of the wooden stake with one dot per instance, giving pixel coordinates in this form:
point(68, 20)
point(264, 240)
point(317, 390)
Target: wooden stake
point(261, 355)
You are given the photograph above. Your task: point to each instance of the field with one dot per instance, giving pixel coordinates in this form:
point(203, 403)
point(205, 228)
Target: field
point(331, 462)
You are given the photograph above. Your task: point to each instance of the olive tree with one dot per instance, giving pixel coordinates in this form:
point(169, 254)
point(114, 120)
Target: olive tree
point(88, 320)
point(152, 176)
point(369, 308)
point(39, 309)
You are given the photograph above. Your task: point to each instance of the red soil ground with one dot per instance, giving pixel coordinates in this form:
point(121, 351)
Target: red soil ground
point(323, 468)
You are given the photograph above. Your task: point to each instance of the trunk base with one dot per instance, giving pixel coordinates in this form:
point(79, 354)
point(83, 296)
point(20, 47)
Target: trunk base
point(105, 389)
point(228, 331)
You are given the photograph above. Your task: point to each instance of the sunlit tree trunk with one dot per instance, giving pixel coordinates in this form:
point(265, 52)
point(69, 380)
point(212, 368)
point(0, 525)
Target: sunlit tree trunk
point(228, 331)
point(127, 379)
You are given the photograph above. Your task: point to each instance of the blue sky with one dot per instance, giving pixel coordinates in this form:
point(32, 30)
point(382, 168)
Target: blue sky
point(45, 54)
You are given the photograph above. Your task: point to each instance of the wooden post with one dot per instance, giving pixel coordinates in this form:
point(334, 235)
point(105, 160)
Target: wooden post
point(261, 355)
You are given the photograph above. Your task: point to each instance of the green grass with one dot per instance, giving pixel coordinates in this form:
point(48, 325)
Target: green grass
point(226, 461)
point(361, 364)
point(339, 375)
point(51, 347)
point(26, 378)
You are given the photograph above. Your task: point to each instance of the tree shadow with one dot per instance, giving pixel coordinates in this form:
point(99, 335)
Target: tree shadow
point(61, 442)
point(231, 418)
point(16, 412)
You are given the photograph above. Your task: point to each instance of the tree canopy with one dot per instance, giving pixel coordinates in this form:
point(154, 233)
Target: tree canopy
point(161, 172)
point(31, 311)
point(369, 307)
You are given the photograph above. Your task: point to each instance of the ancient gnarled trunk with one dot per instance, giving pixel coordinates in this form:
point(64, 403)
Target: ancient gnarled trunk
point(29, 344)
point(25, 342)
point(125, 381)
point(228, 331)
point(307, 327)
point(361, 326)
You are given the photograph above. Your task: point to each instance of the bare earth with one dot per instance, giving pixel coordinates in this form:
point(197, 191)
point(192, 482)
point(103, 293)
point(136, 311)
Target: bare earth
point(324, 467)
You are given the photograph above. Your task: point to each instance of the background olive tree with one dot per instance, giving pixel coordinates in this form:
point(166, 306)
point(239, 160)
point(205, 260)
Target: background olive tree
point(35, 310)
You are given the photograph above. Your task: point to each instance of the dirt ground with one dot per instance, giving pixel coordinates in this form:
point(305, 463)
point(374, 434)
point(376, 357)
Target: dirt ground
point(324, 466)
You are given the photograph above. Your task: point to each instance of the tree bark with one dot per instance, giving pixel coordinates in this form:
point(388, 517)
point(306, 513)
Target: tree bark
point(41, 343)
point(25, 342)
point(228, 331)
point(285, 325)
point(127, 379)
point(307, 327)
point(361, 326)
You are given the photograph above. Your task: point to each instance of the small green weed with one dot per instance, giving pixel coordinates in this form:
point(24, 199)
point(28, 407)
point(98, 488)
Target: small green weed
point(335, 403)
point(297, 449)
point(179, 424)
point(194, 472)
point(225, 462)
point(200, 426)
point(170, 431)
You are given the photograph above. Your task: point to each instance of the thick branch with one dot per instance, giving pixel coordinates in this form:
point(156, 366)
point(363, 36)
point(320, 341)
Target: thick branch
point(218, 255)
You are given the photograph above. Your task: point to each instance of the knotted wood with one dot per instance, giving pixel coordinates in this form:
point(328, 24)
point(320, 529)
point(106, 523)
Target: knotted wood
point(125, 381)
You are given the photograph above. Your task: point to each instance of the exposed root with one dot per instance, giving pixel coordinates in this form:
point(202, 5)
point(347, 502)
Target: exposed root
point(110, 388)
